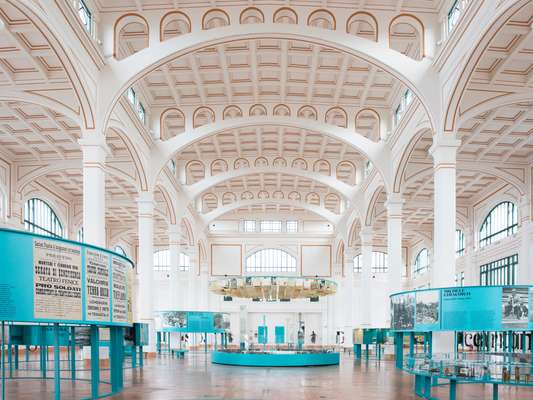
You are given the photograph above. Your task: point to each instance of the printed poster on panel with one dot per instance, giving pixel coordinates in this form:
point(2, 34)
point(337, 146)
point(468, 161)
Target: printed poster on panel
point(120, 289)
point(57, 285)
point(97, 300)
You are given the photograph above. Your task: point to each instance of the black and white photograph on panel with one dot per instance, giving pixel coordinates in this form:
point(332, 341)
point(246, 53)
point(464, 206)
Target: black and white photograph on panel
point(174, 319)
point(427, 307)
point(515, 307)
point(403, 311)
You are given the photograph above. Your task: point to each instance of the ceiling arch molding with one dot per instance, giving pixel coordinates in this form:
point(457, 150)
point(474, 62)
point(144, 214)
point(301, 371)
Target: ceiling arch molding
point(419, 76)
point(198, 188)
point(36, 15)
point(476, 167)
point(10, 94)
point(496, 22)
point(220, 211)
point(377, 153)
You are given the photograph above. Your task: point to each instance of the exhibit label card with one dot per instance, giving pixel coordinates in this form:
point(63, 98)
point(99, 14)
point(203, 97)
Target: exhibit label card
point(120, 285)
point(57, 287)
point(97, 299)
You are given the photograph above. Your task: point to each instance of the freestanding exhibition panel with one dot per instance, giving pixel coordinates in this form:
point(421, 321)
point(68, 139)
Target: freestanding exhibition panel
point(55, 283)
point(502, 316)
point(204, 322)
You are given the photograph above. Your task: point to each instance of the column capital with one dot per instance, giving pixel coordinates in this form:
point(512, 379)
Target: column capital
point(94, 148)
point(146, 203)
point(444, 149)
point(366, 235)
point(174, 234)
point(394, 203)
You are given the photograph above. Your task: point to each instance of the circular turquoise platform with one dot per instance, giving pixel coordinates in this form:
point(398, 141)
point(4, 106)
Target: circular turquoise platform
point(275, 359)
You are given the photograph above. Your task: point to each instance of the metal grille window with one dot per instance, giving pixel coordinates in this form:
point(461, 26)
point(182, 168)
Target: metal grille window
point(270, 260)
point(499, 272)
point(501, 222)
point(380, 262)
point(40, 218)
point(86, 16)
point(460, 279)
point(162, 260)
point(292, 226)
point(421, 264)
point(249, 226)
point(118, 249)
point(459, 243)
point(405, 100)
point(185, 262)
point(271, 226)
point(454, 14)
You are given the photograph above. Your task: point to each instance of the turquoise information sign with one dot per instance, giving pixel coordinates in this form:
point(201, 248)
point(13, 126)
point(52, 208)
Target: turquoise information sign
point(45, 279)
point(191, 321)
point(262, 334)
point(280, 334)
point(469, 308)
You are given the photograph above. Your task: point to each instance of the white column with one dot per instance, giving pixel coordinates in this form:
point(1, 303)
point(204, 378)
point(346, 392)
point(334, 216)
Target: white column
point(174, 237)
point(349, 308)
point(366, 275)
point(394, 206)
point(444, 152)
point(145, 263)
point(94, 151)
point(204, 287)
point(525, 255)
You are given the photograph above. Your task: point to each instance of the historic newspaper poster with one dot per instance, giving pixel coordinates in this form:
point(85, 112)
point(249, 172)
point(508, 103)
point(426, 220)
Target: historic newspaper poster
point(120, 290)
point(57, 283)
point(97, 293)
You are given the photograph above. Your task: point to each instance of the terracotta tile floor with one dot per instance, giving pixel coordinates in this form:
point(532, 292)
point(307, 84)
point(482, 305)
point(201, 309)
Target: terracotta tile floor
point(196, 378)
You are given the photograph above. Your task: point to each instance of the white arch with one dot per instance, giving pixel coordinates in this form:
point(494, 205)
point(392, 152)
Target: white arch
point(31, 98)
point(198, 188)
point(218, 212)
point(377, 153)
point(419, 76)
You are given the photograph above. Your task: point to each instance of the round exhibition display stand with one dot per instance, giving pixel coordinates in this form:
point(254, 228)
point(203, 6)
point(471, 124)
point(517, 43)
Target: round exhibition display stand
point(51, 288)
point(275, 359)
point(503, 316)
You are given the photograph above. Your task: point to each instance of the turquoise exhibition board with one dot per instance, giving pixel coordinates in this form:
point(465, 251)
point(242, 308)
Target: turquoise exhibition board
point(262, 334)
point(49, 280)
point(275, 359)
point(468, 308)
point(191, 321)
point(280, 334)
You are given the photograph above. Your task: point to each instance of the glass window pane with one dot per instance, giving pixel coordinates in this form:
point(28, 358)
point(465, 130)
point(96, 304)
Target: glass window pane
point(270, 260)
point(40, 218)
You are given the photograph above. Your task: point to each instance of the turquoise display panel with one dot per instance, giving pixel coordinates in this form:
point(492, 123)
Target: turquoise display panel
point(262, 334)
point(45, 279)
point(275, 359)
point(280, 334)
point(472, 308)
point(191, 321)
point(469, 308)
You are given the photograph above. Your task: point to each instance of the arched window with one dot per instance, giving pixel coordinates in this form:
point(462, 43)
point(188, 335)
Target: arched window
point(185, 262)
point(119, 250)
point(79, 235)
point(421, 264)
point(162, 260)
point(270, 260)
point(380, 262)
point(40, 218)
point(501, 222)
point(459, 243)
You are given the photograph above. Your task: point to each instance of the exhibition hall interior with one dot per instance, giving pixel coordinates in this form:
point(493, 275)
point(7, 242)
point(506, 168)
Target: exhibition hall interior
point(266, 199)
